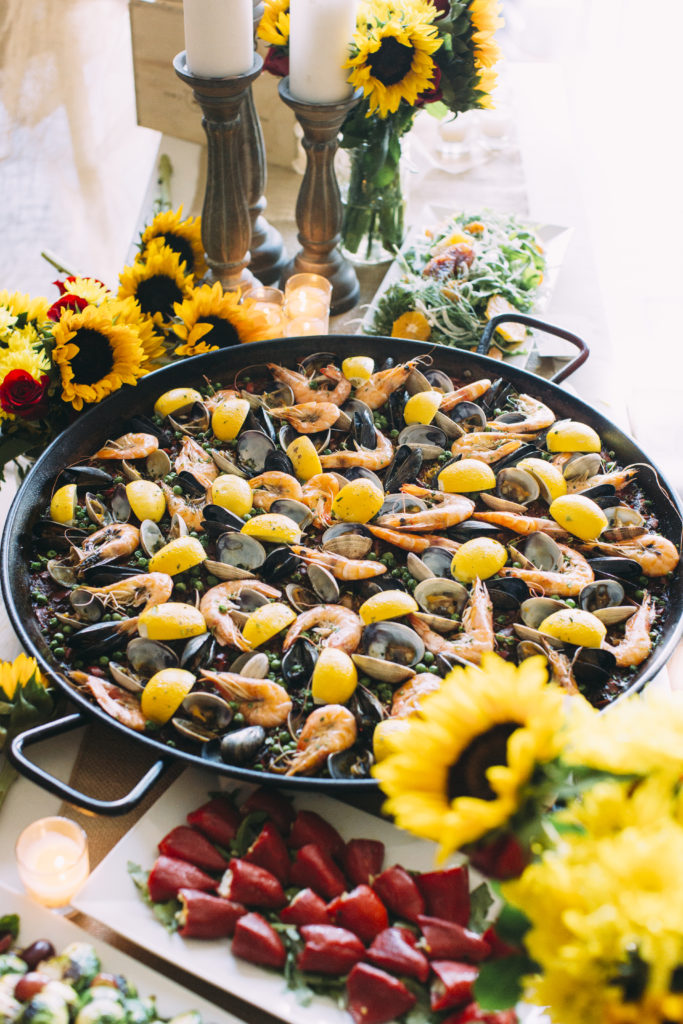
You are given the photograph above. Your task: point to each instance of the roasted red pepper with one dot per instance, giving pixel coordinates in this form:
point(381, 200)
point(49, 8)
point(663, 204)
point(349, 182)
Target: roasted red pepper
point(499, 948)
point(398, 891)
point(473, 1014)
point(329, 950)
point(269, 851)
point(315, 868)
point(203, 916)
point(276, 806)
point(169, 874)
point(306, 908)
point(453, 984)
point(252, 885)
point(375, 997)
point(446, 940)
point(309, 827)
point(362, 860)
point(257, 942)
point(190, 845)
point(217, 819)
point(447, 894)
point(361, 911)
point(393, 951)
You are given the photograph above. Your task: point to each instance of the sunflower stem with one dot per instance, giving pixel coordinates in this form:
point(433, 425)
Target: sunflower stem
point(8, 775)
point(163, 199)
point(56, 262)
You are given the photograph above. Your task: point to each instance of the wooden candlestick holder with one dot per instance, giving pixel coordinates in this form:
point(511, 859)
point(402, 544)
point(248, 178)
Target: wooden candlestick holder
point(318, 205)
point(226, 224)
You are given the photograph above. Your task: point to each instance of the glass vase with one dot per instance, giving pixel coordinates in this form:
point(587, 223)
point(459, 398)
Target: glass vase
point(374, 203)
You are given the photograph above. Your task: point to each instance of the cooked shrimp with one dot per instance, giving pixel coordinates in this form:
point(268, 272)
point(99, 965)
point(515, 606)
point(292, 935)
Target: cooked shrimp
point(193, 459)
point(618, 479)
point(566, 582)
point(318, 493)
point(149, 588)
point(377, 458)
point(308, 417)
point(521, 524)
point(417, 542)
point(406, 700)
point(326, 731)
point(560, 668)
point(129, 446)
point(487, 446)
point(468, 393)
point(272, 485)
point(260, 701)
point(114, 541)
point(341, 567)
point(189, 511)
point(117, 702)
point(448, 510)
point(637, 643)
point(301, 385)
point(338, 627)
point(234, 588)
point(377, 388)
point(216, 606)
point(655, 555)
point(536, 416)
point(213, 401)
point(477, 623)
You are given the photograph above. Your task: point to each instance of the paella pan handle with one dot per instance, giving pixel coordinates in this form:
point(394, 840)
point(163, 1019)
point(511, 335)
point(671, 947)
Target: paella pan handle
point(64, 790)
point(539, 325)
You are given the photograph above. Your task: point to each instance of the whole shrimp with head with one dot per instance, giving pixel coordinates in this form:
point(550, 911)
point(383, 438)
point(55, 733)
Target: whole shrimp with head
point(307, 389)
point(114, 541)
point(477, 635)
point(448, 510)
point(336, 625)
point(327, 730)
point(375, 458)
point(377, 388)
point(258, 700)
point(567, 581)
point(308, 417)
point(217, 604)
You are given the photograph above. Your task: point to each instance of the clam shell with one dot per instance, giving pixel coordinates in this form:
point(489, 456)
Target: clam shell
point(226, 463)
point(517, 485)
point(151, 537)
point(295, 510)
point(240, 551)
point(582, 466)
point(157, 464)
point(417, 568)
point(615, 613)
point(438, 560)
point(401, 503)
point(223, 571)
point(253, 665)
point(499, 504)
point(323, 583)
point(601, 594)
point(124, 678)
point(130, 471)
point(443, 597)
point(393, 642)
point(385, 671)
point(539, 550)
point(149, 656)
point(87, 606)
point(353, 540)
point(300, 597)
point(98, 512)
point(527, 633)
point(432, 441)
point(62, 573)
point(535, 609)
point(438, 623)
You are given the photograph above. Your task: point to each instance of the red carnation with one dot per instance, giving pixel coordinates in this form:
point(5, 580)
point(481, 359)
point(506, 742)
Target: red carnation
point(277, 62)
point(66, 301)
point(23, 396)
point(433, 94)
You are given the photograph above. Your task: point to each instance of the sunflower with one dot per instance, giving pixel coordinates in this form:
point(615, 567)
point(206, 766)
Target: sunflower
point(274, 25)
point(157, 283)
point(486, 20)
point(18, 673)
point(391, 53)
point(213, 319)
point(88, 288)
point(127, 311)
point(184, 237)
point(466, 758)
point(32, 310)
point(95, 356)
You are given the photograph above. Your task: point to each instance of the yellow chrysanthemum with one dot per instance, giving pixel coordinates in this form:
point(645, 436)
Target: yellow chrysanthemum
point(157, 283)
point(465, 759)
point(639, 735)
point(127, 311)
point(213, 319)
point(95, 356)
point(274, 25)
point(88, 288)
point(184, 237)
point(17, 673)
point(35, 309)
point(391, 53)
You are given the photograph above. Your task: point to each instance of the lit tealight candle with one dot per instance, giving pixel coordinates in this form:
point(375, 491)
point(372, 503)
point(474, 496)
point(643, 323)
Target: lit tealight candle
point(219, 37)
point(268, 302)
point(52, 860)
point(303, 326)
point(306, 302)
point(320, 33)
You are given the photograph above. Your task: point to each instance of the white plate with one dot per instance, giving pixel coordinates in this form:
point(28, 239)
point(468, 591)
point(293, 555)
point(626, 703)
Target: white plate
point(555, 240)
point(110, 896)
point(171, 999)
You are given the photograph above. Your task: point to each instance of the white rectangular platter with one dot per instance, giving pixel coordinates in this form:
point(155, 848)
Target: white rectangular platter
point(171, 999)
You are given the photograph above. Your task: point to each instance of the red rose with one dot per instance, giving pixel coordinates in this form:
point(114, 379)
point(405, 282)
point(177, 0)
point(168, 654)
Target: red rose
point(276, 62)
point(66, 301)
point(23, 396)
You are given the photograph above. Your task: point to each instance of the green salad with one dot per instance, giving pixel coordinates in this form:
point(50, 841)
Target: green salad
point(472, 268)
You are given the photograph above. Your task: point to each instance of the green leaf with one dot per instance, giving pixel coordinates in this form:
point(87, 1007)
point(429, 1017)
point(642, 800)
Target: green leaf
point(499, 983)
point(481, 902)
point(248, 831)
point(164, 912)
point(10, 923)
point(512, 925)
point(439, 110)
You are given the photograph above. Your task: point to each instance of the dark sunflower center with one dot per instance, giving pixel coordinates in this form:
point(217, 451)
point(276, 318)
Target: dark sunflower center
point(94, 359)
point(392, 62)
point(182, 247)
point(467, 777)
point(222, 333)
point(157, 294)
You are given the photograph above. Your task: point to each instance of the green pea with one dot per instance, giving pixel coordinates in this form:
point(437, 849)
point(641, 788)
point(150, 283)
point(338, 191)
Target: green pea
point(177, 489)
point(181, 587)
point(277, 664)
point(104, 660)
point(420, 667)
point(58, 652)
point(67, 630)
point(58, 636)
point(428, 658)
point(212, 581)
point(238, 718)
point(36, 566)
point(51, 554)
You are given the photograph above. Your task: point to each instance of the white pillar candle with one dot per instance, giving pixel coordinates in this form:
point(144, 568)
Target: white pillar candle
point(320, 32)
point(219, 37)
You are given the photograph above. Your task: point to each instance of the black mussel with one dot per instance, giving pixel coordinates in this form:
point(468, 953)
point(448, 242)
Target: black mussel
point(366, 708)
point(252, 448)
point(191, 419)
point(496, 396)
point(507, 593)
point(279, 562)
point(438, 560)
point(190, 484)
point(614, 567)
point(354, 763)
point(471, 528)
point(86, 477)
point(146, 425)
point(258, 419)
point(198, 652)
point(393, 409)
point(298, 663)
point(525, 451)
point(403, 469)
point(227, 519)
point(278, 462)
point(593, 666)
point(100, 638)
point(49, 534)
point(468, 413)
point(107, 572)
point(363, 429)
point(369, 588)
point(317, 360)
point(242, 746)
point(604, 495)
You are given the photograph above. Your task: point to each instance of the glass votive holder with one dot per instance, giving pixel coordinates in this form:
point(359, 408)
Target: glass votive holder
point(268, 302)
point(309, 288)
point(303, 325)
point(52, 860)
point(306, 303)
